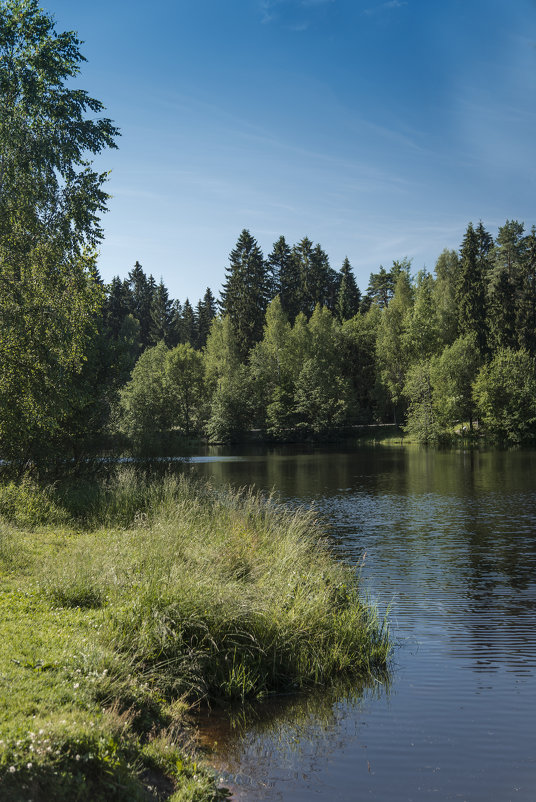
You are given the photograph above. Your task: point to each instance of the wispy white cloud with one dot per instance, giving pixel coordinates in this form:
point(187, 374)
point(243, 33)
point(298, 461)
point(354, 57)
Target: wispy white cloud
point(267, 8)
point(383, 7)
point(485, 124)
point(359, 167)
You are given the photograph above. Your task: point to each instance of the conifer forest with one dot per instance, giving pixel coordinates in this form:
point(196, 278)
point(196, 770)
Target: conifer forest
point(294, 348)
point(289, 347)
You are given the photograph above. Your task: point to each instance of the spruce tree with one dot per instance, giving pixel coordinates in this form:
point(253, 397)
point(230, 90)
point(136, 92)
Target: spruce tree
point(470, 286)
point(501, 310)
point(206, 312)
point(284, 276)
point(275, 264)
point(526, 307)
point(142, 290)
point(244, 295)
point(485, 246)
point(504, 287)
point(175, 326)
point(332, 285)
point(365, 305)
point(302, 257)
point(161, 313)
point(117, 306)
point(348, 297)
point(318, 280)
point(188, 331)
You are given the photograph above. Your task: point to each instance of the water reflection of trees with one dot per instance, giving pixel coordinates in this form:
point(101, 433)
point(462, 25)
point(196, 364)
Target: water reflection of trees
point(450, 534)
point(303, 472)
point(249, 745)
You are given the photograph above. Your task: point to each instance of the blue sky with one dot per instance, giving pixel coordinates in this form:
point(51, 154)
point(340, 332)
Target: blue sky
point(379, 129)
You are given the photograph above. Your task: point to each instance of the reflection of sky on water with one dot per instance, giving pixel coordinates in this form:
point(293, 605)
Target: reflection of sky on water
point(450, 541)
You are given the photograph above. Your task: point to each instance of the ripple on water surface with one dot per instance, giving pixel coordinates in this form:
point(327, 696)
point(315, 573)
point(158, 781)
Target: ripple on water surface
point(450, 542)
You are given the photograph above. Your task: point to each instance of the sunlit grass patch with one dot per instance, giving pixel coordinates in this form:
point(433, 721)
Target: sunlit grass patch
point(167, 594)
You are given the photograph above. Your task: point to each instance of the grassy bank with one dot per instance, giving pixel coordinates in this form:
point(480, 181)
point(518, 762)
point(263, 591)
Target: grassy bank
point(126, 602)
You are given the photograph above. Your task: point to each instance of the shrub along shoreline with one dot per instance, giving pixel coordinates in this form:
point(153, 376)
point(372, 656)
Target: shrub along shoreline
point(125, 602)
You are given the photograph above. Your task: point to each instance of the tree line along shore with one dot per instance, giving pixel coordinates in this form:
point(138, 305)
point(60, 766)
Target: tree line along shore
point(291, 349)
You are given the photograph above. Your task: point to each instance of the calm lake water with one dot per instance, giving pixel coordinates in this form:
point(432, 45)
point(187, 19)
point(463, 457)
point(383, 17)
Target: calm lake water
point(450, 542)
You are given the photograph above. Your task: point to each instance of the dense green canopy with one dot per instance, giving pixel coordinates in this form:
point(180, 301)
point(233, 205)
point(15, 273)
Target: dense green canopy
point(50, 202)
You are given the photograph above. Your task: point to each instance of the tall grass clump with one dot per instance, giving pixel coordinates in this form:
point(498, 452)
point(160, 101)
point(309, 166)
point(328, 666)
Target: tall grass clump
point(8, 549)
point(126, 600)
point(27, 504)
point(215, 594)
point(120, 499)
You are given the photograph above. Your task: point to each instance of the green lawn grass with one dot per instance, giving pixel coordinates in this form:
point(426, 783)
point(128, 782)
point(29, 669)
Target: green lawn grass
point(126, 602)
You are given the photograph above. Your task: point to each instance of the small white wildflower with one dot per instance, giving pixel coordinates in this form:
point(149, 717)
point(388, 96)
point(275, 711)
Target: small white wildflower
point(12, 769)
point(77, 757)
point(76, 685)
point(41, 732)
point(29, 765)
